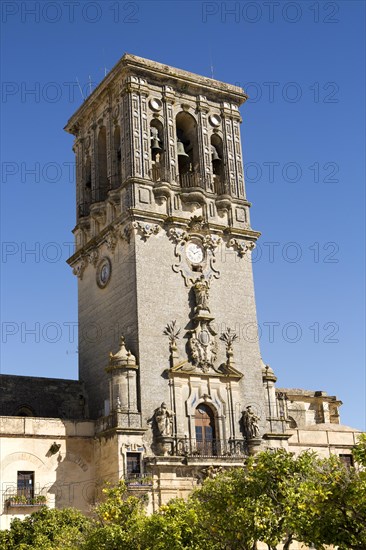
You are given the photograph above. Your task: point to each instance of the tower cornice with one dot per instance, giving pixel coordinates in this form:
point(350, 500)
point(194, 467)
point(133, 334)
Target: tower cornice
point(160, 73)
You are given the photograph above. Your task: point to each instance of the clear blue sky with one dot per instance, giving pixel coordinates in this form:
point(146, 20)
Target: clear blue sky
point(303, 134)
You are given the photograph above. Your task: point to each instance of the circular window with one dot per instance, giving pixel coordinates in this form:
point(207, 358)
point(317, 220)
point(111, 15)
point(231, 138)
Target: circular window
point(155, 104)
point(104, 271)
point(215, 120)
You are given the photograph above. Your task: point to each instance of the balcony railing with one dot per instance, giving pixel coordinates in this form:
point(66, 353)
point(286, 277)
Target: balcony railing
point(211, 448)
point(138, 480)
point(96, 195)
point(192, 179)
point(99, 195)
point(15, 501)
point(159, 174)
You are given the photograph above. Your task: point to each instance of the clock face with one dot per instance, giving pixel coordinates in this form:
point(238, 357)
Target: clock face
point(104, 272)
point(194, 253)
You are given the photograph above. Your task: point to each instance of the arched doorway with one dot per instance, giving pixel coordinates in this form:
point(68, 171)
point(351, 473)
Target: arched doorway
point(204, 420)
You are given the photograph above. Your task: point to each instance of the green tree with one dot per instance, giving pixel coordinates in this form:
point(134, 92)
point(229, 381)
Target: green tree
point(251, 504)
point(330, 505)
point(177, 526)
point(47, 529)
point(359, 450)
point(118, 521)
point(275, 496)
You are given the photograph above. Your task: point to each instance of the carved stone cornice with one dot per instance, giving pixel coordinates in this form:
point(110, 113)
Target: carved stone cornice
point(178, 229)
point(146, 229)
point(79, 267)
point(211, 241)
point(111, 239)
point(241, 247)
point(93, 256)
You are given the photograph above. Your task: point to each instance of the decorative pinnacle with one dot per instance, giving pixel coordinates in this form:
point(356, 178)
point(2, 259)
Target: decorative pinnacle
point(172, 332)
point(123, 357)
point(228, 338)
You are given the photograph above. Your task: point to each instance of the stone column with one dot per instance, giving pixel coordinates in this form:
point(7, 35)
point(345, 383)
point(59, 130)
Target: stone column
point(78, 149)
point(228, 149)
point(132, 390)
point(240, 190)
point(133, 129)
point(144, 130)
point(269, 380)
point(170, 139)
point(124, 123)
point(204, 146)
point(109, 144)
point(94, 158)
point(123, 380)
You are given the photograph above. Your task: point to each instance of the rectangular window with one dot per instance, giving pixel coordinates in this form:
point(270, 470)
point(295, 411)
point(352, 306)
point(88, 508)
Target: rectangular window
point(347, 460)
point(25, 484)
point(133, 465)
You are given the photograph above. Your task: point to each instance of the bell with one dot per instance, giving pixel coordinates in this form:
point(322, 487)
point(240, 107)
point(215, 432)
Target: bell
point(155, 141)
point(180, 150)
point(214, 155)
point(155, 146)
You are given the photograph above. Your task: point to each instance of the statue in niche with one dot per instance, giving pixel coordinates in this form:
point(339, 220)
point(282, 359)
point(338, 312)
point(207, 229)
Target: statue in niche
point(200, 288)
point(164, 421)
point(250, 423)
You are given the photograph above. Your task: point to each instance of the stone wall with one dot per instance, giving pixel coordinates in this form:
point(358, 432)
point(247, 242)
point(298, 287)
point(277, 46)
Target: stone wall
point(61, 455)
point(45, 397)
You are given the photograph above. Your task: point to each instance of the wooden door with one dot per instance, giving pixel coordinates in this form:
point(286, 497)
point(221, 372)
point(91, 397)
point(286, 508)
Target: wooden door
point(205, 431)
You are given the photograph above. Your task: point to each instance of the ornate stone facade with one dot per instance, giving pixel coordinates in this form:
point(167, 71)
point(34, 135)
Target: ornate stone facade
point(163, 259)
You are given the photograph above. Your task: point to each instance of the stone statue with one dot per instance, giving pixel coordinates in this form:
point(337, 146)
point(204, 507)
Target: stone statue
point(164, 420)
point(200, 288)
point(250, 423)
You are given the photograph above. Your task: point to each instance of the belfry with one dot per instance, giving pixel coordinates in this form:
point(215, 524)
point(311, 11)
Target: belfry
point(163, 245)
point(171, 379)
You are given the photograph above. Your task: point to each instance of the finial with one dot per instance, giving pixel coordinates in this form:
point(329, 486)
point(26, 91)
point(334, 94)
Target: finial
point(172, 332)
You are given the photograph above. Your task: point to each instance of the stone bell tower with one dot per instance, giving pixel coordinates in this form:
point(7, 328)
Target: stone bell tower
point(163, 258)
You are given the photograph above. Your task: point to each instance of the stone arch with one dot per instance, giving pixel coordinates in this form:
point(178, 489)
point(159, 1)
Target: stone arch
point(217, 152)
point(21, 456)
point(101, 192)
point(217, 406)
point(205, 429)
point(292, 423)
point(25, 410)
point(117, 176)
point(186, 129)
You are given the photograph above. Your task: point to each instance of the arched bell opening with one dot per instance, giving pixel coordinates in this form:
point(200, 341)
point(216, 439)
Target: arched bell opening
point(187, 147)
point(205, 431)
point(86, 192)
point(100, 193)
point(156, 149)
point(217, 162)
point(117, 176)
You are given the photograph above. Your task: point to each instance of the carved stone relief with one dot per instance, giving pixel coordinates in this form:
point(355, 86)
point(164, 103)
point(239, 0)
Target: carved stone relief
point(146, 229)
point(241, 246)
point(197, 232)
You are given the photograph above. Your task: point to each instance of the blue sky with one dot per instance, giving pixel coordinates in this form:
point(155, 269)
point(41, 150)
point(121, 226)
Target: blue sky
point(302, 63)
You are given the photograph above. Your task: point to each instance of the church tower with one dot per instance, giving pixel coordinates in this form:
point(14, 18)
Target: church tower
point(168, 344)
